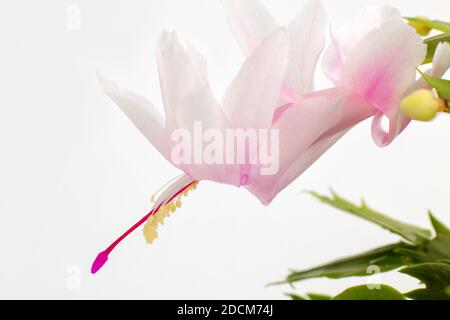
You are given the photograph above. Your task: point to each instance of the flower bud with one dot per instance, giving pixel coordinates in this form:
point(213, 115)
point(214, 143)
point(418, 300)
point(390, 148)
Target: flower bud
point(421, 105)
point(421, 28)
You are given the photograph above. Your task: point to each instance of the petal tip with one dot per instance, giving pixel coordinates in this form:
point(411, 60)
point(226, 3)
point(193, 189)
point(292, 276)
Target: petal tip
point(108, 86)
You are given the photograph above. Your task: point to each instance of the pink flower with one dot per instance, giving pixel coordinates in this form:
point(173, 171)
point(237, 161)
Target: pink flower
point(377, 55)
point(372, 64)
point(249, 103)
point(372, 70)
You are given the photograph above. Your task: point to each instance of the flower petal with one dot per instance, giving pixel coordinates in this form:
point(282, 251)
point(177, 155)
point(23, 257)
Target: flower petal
point(381, 68)
point(354, 110)
point(349, 35)
point(141, 112)
point(440, 65)
point(189, 102)
point(181, 69)
point(186, 91)
point(299, 127)
point(378, 59)
point(441, 60)
point(306, 42)
point(250, 23)
point(252, 97)
point(201, 108)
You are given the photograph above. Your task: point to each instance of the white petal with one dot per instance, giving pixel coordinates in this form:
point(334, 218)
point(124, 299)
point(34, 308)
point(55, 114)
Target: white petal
point(441, 60)
point(251, 99)
point(306, 41)
point(440, 65)
point(250, 22)
point(187, 94)
point(173, 187)
point(181, 69)
point(371, 18)
point(189, 101)
point(200, 107)
point(141, 112)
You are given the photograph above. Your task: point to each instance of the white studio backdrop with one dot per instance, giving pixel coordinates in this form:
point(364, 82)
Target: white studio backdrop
point(75, 172)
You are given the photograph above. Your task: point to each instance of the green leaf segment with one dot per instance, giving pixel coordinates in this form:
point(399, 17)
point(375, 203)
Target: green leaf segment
point(420, 253)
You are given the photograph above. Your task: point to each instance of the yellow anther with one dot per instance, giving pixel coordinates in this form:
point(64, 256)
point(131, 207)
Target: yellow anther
point(150, 231)
point(421, 105)
point(151, 226)
point(159, 219)
point(421, 28)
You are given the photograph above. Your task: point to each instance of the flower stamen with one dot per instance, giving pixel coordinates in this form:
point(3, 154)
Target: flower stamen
point(102, 257)
point(151, 227)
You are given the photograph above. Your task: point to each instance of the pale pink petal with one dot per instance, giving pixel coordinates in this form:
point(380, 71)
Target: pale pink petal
point(141, 112)
point(333, 60)
point(186, 91)
point(299, 127)
point(342, 42)
point(381, 68)
point(306, 42)
point(378, 58)
point(201, 108)
point(250, 22)
point(189, 101)
point(181, 69)
point(197, 61)
point(440, 65)
point(310, 156)
point(251, 99)
point(354, 110)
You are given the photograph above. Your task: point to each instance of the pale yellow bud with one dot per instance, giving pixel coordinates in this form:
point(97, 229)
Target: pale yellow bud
point(421, 28)
point(421, 105)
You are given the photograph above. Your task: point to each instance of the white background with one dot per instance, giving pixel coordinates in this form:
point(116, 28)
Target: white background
point(75, 173)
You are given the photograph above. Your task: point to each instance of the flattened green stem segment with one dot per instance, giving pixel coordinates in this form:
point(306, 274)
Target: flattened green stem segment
point(435, 276)
point(440, 228)
point(362, 292)
point(421, 246)
point(410, 233)
point(309, 296)
point(386, 258)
